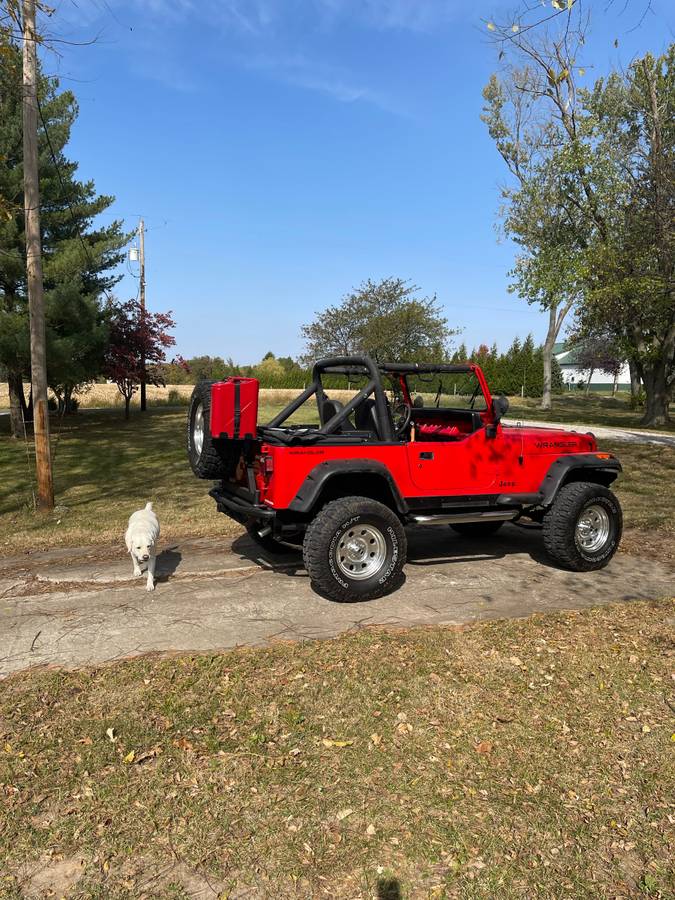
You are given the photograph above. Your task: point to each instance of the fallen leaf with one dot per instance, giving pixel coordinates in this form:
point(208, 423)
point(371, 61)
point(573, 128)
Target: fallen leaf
point(483, 747)
point(111, 734)
point(370, 830)
point(343, 814)
point(329, 742)
point(130, 757)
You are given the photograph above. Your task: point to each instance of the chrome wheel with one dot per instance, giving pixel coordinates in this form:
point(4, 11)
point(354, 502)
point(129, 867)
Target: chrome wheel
point(361, 552)
point(592, 529)
point(198, 430)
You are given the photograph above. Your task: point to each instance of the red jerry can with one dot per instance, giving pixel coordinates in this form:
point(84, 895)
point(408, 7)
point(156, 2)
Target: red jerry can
point(234, 408)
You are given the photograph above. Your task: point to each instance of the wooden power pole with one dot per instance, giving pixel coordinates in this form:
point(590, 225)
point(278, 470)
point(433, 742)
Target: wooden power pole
point(36, 305)
point(141, 244)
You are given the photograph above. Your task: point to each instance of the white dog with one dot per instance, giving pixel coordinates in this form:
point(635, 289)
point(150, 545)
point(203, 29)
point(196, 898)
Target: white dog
point(141, 540)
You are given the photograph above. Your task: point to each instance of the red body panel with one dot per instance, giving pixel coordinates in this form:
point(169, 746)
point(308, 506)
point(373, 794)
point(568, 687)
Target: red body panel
point(234, 408)
point(475, 464)
point(447, 458)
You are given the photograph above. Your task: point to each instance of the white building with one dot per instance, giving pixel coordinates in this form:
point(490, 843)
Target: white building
point(575, 376)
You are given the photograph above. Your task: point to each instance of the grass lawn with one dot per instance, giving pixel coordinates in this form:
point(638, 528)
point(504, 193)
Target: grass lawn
point(528, 758)
point(106, 467)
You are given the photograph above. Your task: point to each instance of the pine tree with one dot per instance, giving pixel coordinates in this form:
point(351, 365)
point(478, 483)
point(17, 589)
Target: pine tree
point(75, 253)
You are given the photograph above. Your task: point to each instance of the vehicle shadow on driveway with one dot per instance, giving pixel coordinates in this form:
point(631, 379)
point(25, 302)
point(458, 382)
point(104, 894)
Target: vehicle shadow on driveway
point(289, 562)
point(438, 544)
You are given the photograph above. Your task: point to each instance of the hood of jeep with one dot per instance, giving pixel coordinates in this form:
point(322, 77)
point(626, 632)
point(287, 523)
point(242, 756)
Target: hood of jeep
point(543, 439)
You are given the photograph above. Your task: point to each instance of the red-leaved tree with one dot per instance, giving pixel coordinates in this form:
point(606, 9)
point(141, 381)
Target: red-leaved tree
point(137, 344)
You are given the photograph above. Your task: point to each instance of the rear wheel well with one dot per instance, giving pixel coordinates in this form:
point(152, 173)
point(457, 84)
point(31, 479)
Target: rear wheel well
point(358, 484)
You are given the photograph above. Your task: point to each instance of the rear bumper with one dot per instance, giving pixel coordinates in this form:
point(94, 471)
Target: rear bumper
point(240, 505)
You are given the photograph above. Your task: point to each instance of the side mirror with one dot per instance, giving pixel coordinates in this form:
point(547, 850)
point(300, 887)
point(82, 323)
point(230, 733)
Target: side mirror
point(500, 406)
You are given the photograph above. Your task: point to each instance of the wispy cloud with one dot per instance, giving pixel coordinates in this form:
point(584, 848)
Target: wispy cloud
point(257, 16)
point(311, 75)
point(263, 35)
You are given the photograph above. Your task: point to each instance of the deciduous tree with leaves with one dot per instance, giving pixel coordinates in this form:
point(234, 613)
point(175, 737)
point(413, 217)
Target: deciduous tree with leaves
point(136, 336)
point(387, 320)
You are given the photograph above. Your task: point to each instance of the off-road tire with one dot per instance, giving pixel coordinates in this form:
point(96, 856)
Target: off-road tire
point(477, 529)
point(270, 544)
point(350, 518)
point(207, 463)
point(560, 526)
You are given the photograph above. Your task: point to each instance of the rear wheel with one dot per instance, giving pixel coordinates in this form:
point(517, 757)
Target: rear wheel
point(583, 528)
point(354, 549)
point(477, 529)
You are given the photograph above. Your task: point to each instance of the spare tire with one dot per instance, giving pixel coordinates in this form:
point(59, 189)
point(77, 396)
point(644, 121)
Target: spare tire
point(205, 460)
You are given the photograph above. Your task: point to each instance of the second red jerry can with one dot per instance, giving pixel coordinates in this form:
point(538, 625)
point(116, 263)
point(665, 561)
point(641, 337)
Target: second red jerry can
point(234, 408)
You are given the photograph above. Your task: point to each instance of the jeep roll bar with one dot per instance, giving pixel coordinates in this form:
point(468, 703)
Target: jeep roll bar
point(342, 365)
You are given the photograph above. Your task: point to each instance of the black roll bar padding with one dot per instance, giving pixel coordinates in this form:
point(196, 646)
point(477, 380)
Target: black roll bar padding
point(294, 405)
point(342, 365)
point(334, 364)
point(339, 417)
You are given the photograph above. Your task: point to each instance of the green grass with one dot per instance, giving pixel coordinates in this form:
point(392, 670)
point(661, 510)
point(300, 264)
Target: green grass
point(529, 758)
point(105, 467)
point(591, 409)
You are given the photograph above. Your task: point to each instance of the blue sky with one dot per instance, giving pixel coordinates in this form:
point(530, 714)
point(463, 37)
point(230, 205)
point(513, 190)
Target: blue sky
point(282, 151)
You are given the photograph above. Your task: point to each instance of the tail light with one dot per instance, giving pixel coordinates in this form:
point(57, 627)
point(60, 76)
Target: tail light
point(267, 465)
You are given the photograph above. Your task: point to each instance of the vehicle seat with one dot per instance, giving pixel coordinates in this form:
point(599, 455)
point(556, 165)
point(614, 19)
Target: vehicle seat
point(366, 418)
point(332, 408)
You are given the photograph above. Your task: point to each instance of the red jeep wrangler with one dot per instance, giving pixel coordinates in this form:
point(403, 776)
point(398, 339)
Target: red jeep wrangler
point(413, 445)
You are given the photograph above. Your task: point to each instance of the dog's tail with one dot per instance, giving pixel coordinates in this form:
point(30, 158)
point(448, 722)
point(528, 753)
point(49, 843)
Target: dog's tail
point(148, 506)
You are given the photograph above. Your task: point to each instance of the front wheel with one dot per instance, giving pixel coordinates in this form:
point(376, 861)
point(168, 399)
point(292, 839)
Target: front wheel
point(354, 549)
point(583, 528)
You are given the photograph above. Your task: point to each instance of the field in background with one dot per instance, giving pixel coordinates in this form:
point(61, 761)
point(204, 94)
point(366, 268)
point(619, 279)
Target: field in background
point(569, 408)
point(525, 758)
point(105, 467)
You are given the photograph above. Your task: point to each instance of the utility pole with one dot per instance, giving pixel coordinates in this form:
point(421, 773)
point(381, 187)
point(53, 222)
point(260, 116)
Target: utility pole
point(36, 306)
point(141, 246)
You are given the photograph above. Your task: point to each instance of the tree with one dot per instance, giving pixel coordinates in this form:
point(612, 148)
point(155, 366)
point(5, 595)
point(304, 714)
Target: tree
point(269, 367)
point(386, 320)
point(631, 271)
point(532, 117)
point(75, 253)
point(600, 354)
point(77, 338)
point(135, 336)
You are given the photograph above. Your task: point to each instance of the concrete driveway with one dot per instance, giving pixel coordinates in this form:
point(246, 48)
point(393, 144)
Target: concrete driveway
point(70, 607)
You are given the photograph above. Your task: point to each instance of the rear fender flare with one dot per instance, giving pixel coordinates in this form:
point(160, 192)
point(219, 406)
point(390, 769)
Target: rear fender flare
point(314, 484)
point(577, 467)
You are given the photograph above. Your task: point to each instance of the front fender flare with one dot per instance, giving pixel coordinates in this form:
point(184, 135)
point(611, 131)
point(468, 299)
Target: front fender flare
point(560, 469)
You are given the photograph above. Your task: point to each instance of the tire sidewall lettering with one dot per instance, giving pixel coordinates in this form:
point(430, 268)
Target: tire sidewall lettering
point(392, 555)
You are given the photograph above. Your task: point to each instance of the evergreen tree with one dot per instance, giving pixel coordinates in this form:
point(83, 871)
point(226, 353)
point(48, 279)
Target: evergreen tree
point(76, 252)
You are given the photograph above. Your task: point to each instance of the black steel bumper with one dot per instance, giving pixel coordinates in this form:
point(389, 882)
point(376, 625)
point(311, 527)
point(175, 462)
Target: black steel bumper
point(240, 505)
